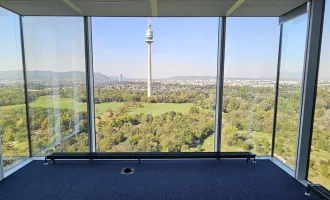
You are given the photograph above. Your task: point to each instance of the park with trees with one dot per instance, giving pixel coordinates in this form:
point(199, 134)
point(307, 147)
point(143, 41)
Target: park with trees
point(184, 121)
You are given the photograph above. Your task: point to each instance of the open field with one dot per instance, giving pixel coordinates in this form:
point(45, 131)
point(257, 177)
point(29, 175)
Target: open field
point(152, 108)
point(12, 106)
point(102, 107)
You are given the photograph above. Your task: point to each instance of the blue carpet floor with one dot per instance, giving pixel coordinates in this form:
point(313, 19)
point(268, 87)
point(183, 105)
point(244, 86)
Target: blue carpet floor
point(201, 179)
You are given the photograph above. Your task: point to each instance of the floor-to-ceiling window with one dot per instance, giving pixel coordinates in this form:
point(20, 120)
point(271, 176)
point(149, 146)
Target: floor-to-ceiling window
point(319, 163)
point(177, 114)
point(13, 130)
point(249, 84)
point(294, 35)
point(56, 79)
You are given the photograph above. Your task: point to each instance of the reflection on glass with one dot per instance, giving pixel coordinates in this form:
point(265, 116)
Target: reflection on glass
point(13, 131)
point(179, 114)
point(289, 93)
point(55, 63)
point(319, 163)
point(250, 75)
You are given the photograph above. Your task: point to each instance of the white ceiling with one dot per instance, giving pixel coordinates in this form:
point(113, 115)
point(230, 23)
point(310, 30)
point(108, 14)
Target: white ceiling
point(166, 8)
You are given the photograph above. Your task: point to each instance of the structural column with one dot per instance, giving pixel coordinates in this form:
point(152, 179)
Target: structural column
point(276, 89)
point(312, 58)
point(90, 84)
point(1, 162)
point(220, 82)
point(25, 86)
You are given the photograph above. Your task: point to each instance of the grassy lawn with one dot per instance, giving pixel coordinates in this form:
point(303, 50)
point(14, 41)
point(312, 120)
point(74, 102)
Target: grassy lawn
point(153, 108)
point(12, 106)
point(102, 107)
point(46, 102)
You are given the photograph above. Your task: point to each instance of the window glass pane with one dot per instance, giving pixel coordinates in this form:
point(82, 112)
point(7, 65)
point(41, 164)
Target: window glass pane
point(249, 84)
point(319, 163)
point(55, 62)
point(179, 115)
point(13, 131)
point(289, 93)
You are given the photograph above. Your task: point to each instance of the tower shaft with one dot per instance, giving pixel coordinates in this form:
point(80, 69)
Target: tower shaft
point(149, 71)
point(149, 37)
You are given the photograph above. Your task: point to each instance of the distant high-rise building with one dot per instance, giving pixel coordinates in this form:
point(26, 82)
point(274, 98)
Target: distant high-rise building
point(149, 40)
point(121, 78)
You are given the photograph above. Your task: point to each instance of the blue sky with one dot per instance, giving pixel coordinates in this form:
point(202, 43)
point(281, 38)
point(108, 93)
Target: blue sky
point(324, 70)
point(179, 47)
point(182, 47)
point(251, 47)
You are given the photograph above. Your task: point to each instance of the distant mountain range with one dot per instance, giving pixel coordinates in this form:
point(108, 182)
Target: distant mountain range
point(99, 77)
point(48, 75)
